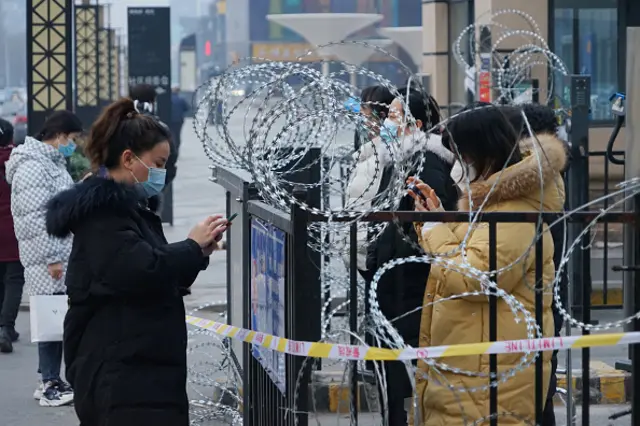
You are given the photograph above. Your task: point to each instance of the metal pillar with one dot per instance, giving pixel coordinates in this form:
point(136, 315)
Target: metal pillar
point(104, 66)
point(578, 183)
point(104, 59)
point(49, 59)
point(86, 62)
point(114, 64)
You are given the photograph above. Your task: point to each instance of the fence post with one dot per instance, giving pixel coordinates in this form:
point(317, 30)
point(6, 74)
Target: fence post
point(249, 387)
point(493, 324)
point(353, 317)
point(579, 189)
point(635, 349)
point(304, 302)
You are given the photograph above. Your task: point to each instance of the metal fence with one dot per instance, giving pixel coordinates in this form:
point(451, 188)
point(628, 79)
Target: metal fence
point(492, 219)
point(269, 400)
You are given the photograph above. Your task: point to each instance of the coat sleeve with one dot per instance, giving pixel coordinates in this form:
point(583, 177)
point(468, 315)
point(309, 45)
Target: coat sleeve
point(510, 252)
point(127, 264)
point(30, 192)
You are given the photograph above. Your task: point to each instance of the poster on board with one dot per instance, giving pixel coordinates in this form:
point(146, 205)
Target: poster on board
point(267, 295)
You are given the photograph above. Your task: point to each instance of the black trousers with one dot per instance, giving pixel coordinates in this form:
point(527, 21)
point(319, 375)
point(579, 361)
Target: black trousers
point(11, 285)
point(549, 415)
point(398, 387)
point(176, 132)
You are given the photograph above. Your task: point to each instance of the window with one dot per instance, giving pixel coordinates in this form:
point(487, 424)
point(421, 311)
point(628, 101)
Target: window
point(586, 38)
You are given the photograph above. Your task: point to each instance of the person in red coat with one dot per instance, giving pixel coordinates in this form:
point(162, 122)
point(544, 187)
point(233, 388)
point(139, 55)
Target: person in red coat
point(11, 270)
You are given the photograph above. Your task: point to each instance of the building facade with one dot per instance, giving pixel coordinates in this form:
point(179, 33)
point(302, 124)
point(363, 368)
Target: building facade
point(587, 35)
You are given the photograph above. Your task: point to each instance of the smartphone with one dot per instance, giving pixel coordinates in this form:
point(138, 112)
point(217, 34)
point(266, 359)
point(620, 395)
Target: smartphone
point(233, 216)
point(414, 188)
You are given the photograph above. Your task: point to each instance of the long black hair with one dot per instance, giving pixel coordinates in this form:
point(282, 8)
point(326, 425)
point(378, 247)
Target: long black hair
point(428, 113)
point(484, 137)
point(541, 118)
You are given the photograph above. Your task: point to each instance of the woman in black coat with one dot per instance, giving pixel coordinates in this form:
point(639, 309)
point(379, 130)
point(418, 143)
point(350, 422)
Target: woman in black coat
point(125, 335)
point(401, 289)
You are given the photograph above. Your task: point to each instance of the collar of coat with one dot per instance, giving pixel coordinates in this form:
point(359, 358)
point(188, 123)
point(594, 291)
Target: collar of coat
point(87, 198)
point(545, 157)
point(404, 148)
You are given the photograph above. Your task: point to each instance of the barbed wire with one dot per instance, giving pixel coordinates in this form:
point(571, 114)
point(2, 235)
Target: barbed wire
point(290, 108)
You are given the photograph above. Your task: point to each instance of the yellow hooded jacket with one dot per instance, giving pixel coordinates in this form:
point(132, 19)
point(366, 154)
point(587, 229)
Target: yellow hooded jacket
point(527, 186)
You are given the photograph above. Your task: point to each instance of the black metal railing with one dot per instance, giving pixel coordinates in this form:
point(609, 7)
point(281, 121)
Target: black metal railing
point(266, 401)
point(492, 219)
point(604, 275)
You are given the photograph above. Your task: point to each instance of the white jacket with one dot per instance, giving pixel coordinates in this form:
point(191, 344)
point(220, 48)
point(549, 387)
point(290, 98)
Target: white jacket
point(371, 160)
point(36, 172)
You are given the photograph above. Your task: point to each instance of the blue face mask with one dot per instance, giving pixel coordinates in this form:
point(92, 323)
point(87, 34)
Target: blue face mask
point(68, 149)
point(389, 131)
point(155, 182)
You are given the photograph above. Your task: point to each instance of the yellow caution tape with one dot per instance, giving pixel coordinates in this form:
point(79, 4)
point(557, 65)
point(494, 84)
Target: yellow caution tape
point(353, 352)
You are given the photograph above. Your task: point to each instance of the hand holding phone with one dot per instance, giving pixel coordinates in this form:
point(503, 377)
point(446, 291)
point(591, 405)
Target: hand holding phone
point(423, 194)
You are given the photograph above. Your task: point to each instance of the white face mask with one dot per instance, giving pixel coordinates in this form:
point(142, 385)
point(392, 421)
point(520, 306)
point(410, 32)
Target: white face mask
point(457, 174)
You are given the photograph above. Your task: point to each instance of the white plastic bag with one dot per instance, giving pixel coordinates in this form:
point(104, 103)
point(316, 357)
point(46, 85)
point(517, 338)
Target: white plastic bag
point(47, 317)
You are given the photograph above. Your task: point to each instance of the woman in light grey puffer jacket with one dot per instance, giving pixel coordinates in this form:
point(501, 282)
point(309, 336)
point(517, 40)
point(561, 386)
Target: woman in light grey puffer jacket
point(37, 171)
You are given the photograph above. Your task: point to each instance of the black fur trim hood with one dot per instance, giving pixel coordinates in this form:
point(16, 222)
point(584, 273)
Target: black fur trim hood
point(86, 199)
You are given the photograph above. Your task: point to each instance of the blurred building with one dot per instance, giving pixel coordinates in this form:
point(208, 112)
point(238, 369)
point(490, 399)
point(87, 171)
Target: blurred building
point(239, 29)
point(589, 36)
point(13, 43)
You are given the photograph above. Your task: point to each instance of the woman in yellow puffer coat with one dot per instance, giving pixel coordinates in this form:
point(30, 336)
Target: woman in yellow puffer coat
point(509, 176)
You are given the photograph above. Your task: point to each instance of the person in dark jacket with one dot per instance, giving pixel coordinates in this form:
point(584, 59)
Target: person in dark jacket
point(401, 290)
point(11, 270)
point(179, 108)
point(125, 336)
point(543, 121)
point(146, 96)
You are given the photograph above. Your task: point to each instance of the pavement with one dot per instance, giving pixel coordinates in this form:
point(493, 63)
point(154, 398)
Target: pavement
point(195, 197)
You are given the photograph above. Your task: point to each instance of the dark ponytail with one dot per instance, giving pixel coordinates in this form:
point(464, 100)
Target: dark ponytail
point(120, 127)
